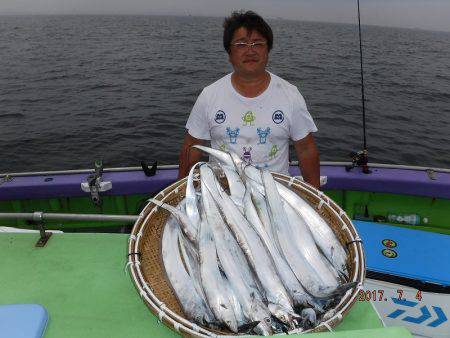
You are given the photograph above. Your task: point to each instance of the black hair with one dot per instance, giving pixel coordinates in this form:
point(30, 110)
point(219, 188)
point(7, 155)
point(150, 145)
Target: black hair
point(249, 20)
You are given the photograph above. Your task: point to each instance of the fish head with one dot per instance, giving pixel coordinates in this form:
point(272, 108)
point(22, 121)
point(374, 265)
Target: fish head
point(264, 328)
point(308, 318)
point(261, 313)
point(252, 175)
point(220, 155)
point(228, 317)
point(207, 318)
point(300, 299)
point(283, 315)
point(232, 324)
point(237, 161)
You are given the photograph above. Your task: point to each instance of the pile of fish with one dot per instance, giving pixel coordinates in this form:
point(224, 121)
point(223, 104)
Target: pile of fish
point(252, 258)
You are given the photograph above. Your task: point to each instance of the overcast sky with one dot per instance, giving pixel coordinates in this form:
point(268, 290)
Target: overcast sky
point(425, 14)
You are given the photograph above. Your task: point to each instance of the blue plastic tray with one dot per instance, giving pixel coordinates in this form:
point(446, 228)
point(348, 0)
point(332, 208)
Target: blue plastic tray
point(415, 254)
point(23, 320)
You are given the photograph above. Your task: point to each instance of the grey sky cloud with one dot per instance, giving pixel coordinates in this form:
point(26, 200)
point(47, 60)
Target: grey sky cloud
point(425, 14)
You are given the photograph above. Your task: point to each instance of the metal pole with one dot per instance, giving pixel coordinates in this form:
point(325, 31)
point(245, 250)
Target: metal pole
point(362, 80)
point(42, 216)
point(85, 171)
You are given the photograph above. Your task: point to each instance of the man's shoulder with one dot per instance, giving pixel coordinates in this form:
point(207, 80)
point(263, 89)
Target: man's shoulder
point(217, 85)
point(283, 84)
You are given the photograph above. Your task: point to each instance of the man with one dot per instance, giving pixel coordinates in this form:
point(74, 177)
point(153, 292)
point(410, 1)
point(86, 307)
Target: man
point(252, 112)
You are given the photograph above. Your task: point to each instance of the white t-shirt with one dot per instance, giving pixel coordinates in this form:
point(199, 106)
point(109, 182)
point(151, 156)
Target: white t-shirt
point(258, 129)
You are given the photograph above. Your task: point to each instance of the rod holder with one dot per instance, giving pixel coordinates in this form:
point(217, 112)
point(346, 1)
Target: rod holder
point(44, 236)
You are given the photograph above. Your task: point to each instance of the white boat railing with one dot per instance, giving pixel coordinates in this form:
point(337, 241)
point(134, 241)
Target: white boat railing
point(39, 216)
point(175, 166)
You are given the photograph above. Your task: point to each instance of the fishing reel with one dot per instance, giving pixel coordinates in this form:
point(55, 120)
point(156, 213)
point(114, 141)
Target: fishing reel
point(359, 159)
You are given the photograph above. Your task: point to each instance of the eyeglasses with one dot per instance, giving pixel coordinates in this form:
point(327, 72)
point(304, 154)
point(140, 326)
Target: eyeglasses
point(258, 45)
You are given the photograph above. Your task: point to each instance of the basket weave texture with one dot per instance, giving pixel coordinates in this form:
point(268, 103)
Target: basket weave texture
point(148, 273)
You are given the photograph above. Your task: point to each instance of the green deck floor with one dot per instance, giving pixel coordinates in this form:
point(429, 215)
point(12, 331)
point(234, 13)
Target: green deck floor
point(81, 281)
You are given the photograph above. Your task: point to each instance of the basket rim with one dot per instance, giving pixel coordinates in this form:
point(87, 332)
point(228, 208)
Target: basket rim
point(178, 322)
point(156, 305)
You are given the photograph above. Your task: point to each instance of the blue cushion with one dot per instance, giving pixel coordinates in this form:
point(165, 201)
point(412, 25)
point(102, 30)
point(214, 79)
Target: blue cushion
point(404, 252)
point(23, 320)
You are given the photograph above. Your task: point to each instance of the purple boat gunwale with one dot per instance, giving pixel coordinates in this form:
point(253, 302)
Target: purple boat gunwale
point(386, 180)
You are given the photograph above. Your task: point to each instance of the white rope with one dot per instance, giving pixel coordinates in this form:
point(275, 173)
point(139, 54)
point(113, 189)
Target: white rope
point(147, 288)
point(176, 326)
point(295, 331)
point(161, 315)
point(139, 235)
point(327, 326)
point(341, 213)
point(291, 180)
point(176, 190)
point(321, 203)
point(142, 293)
point(195, 327)
point(132, 237)
point(130, 263)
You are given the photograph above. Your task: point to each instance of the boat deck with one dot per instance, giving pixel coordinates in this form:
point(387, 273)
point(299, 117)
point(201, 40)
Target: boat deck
point(80, 279)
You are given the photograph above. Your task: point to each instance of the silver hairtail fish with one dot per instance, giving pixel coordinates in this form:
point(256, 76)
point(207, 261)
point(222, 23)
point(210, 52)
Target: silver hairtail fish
point(217, 293)
point(288, 242)
point(321, 231)
point(256, 253)
point(323, 234)
point(290, 281)
point(193, 304)
point(229, 253)
point(189, 229)
point(191, 198)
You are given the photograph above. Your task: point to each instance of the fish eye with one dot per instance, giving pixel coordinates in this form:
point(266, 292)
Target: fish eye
point(268, 320)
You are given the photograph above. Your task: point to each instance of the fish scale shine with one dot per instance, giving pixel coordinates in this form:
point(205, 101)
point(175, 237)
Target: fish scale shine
point(217, 292)
point(257, 256)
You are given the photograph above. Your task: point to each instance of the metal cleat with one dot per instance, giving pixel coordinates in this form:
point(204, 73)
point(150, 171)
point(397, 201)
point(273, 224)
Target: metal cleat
point(94, 184)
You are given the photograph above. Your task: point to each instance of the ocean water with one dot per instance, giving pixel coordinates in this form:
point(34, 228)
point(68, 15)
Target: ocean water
point(75, 89)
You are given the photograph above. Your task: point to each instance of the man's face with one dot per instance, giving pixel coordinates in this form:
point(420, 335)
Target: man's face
point(248, 60)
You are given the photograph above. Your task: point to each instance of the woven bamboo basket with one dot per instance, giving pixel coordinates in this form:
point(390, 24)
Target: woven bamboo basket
point(148, 273)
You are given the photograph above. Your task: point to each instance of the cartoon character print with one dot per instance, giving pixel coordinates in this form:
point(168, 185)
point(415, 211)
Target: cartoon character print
point(248, 118)
point(233, 134)
point(223, 147)
point(263, 133)
point(220, 117)
point(278, 117)
point(264, 167)
point(247, 155)
point(273, 151)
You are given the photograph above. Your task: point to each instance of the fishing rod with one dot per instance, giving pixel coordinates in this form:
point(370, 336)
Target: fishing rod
point(360, 158)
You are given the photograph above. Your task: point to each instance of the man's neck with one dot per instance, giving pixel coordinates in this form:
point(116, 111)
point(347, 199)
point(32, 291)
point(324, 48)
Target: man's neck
point(250, 86)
